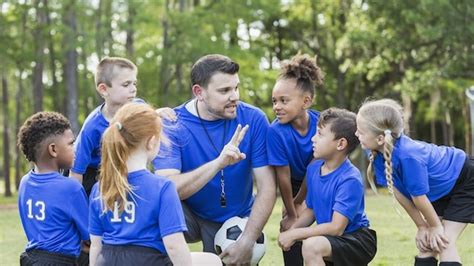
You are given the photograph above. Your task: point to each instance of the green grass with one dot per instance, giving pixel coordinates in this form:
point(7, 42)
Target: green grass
point(395, 235)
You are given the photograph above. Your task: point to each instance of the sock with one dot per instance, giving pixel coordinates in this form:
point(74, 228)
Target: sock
point(450, 263)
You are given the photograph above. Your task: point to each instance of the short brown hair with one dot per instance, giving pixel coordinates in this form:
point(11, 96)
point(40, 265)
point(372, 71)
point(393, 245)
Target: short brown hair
point(342, 124)
point(208, 65)
point(105, 72)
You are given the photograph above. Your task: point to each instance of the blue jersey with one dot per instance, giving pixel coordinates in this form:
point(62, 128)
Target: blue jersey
point(191, 148)
point(421, 168)
point(287, 147)
point(53, 212)
point(87, 145)
point(151, 213)
point(341, 190)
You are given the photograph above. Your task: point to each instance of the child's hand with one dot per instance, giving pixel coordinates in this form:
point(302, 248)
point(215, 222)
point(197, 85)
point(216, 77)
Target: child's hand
point(422, 239)
point(438, 238)
point(286, 240)
point(286, 223)
point(167, 113)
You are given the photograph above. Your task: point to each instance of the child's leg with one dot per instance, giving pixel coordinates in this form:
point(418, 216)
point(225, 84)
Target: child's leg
point(205, 259)
point(453, 230)
point(315, 249)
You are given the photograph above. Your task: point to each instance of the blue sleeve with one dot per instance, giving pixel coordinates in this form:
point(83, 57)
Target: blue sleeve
point(95, 210)
point(171, 217)
point(277, 155)
point(349, 195)
point(79, 211)
point(259, 141)
point(415, 176)
point(83, 154)
point(309, 186)
point(169, 156)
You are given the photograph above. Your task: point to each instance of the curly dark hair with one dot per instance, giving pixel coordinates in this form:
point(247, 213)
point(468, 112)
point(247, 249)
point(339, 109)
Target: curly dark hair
point(37, 128)
point(305, 70)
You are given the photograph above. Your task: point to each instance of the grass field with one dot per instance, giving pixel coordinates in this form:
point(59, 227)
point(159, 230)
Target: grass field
point(395, 235)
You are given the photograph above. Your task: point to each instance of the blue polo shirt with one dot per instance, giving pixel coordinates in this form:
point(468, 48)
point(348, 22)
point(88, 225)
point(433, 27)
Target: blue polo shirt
point(191, 148)
point(287, 147)
point(342, 191)
point(421, 168)
point(53, 211)
point(153, 212)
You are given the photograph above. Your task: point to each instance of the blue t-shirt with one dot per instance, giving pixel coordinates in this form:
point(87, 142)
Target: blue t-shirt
point(191, 148)
point(287, 147)
point(421, 168)
point(88, 142)
point(53, 211)
point(341, 190)
point(152, 212)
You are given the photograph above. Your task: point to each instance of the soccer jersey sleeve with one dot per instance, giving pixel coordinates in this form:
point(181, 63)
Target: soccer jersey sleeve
point(259, 141)
point(95, 210)
point(349, 195)
point(171, 217)
point(276, 149)
point(309, 185)
point(79, 211)
point(83, 152)
point(414, 176)
point(169, 156)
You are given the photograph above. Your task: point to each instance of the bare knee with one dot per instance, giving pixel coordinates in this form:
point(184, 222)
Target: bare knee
point(316, 247)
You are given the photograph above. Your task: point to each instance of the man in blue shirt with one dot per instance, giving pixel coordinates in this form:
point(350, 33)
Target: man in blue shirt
point(218, 145)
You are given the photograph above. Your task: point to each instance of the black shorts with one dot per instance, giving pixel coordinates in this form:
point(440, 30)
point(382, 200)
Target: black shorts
point(131, 255)
point(355, 248)
point(89, 179)
point(458, 205)
point(295, 186)
point(44, 258)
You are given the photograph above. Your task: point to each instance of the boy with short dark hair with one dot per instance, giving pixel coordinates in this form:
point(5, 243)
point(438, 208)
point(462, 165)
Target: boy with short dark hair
point(335, 199)
point(53, 208)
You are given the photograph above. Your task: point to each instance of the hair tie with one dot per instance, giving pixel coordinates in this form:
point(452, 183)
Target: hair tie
point(118, 125)
point(387, 132)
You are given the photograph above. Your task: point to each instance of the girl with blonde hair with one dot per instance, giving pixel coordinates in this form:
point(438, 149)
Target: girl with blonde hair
point(434, 184)
point(135, 217)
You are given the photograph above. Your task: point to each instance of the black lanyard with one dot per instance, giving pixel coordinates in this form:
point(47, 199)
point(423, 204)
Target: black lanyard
point(222, 198)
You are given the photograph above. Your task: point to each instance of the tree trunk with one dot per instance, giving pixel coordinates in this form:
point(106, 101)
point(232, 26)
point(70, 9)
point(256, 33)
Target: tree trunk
point(407, 111)
point(108, 27)
point(99, 43)
point(52, 62)
point(18, 110)
point(130, 30)
point(6, 138)
point(164, 59)
point(71, 65)
point(38, 35)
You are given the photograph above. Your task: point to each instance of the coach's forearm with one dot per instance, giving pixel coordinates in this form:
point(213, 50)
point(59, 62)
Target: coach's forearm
point(263, 204)
point(191, 182)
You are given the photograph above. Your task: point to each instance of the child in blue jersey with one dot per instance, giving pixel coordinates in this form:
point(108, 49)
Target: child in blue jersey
point(116, 81)
point(335, 199)
point(289, 138)
point(53, 208)
point(135, 216)
point(434, 184)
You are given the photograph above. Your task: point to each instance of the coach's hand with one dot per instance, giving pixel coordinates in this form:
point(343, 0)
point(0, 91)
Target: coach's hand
point(231, 153)
point(286, 240)
point(238, 253)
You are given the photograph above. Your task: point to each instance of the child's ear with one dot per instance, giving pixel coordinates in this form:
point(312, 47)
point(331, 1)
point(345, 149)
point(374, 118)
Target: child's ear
point(380, 140)
point(102, 90)
point(307, 101)
point(52, 150)
point(197, 91)
point(151, 142)
point(341, 144)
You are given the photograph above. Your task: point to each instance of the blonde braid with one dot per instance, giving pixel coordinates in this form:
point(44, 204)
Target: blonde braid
point(370, 171)
point(387, 155)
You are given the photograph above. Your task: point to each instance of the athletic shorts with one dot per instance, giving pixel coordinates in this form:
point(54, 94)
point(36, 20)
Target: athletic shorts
point(356, 248)
point(131, 255)
point(44, 258)
point(89, 179)
point(458, 205)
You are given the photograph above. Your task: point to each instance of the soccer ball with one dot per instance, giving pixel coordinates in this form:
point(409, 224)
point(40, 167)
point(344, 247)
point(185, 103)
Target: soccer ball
point(230, 232)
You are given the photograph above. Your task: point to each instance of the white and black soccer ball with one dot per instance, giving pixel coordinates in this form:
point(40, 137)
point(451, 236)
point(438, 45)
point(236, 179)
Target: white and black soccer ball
point(231, 231)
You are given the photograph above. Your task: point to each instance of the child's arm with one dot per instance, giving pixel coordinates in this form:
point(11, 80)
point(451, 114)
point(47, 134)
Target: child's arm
point(96, 247)
point(166, 113)
point(422, 238)
point(177, 249)
point(335, 228)
point(284, 183)
point(76, 176)
point(438, 238)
